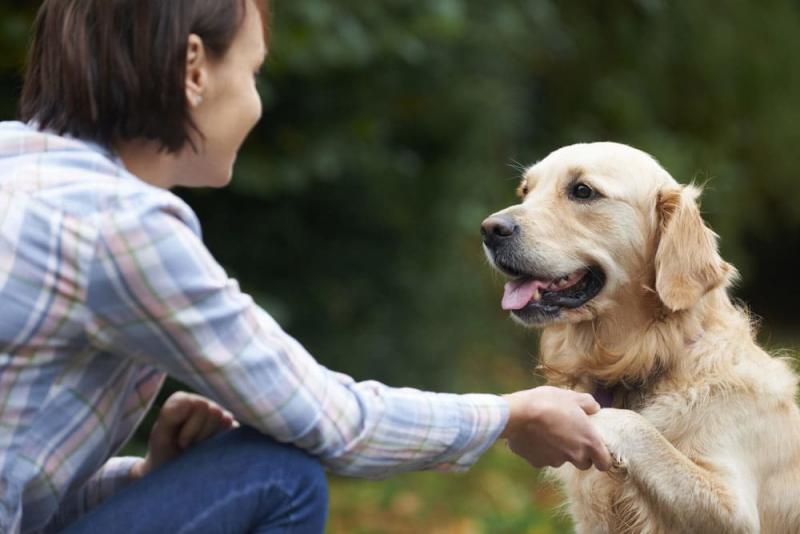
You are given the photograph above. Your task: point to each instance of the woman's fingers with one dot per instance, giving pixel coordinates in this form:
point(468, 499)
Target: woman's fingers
point(206, 419)
point(600, 456)
point(184, 420)
point(216, 421)
point(587, 402)
point(194, 424)
point(548, 426)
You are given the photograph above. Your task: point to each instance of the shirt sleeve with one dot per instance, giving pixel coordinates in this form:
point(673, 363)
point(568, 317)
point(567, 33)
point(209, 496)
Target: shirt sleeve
point(112, 477)
point(157, 295)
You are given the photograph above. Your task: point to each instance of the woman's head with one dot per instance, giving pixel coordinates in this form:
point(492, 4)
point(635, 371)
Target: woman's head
point(177, 73)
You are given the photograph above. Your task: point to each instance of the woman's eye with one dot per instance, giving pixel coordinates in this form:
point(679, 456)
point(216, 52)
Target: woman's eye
point(581, 191)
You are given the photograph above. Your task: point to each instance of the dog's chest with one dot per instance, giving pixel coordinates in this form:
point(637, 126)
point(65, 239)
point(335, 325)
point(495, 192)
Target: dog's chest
point(607, 503)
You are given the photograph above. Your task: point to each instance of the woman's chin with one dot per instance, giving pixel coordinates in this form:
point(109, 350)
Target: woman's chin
point(215, 180)
point(228, 177)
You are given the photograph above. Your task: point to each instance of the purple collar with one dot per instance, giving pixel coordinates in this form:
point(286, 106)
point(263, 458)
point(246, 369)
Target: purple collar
point(603, 395)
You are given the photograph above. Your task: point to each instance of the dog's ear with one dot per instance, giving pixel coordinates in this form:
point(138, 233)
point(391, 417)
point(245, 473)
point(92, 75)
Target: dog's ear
point(687, 262)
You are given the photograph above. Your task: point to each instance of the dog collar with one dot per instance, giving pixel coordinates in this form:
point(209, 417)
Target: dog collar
point(603, 395)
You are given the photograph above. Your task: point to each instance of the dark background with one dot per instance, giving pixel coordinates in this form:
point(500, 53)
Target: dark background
point(392, 128)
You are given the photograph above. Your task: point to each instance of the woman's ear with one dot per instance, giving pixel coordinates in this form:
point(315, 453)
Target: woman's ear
point(687, 262)
point(196, 71)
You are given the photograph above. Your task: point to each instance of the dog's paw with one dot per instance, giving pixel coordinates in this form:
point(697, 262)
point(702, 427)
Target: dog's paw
point(618, 429)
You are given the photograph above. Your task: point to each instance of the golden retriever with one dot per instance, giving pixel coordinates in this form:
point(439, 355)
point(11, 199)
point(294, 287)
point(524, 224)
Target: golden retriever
point(610, 255)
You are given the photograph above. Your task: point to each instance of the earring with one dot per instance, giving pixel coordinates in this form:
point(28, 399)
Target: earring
point(197, 100)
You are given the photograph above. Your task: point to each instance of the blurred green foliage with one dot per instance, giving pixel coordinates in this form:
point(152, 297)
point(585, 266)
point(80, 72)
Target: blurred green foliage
point(390, 132)
point(500, 495)
point(393, 127)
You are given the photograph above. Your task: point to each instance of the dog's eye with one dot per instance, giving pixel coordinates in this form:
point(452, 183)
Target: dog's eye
point(581, 191)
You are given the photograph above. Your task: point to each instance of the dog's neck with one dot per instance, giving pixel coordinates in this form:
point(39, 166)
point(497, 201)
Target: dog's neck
point(625, 352)
point(618, 395)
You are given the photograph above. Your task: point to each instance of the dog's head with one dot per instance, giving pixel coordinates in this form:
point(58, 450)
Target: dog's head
point(599, 224)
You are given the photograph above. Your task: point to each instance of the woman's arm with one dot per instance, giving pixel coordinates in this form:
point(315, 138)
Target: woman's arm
point(157, 295)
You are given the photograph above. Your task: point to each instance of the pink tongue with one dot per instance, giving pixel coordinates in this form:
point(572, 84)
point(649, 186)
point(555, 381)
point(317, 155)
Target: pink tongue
point(519, 293)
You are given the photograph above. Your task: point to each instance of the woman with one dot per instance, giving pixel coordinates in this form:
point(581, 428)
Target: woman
point(106, 288)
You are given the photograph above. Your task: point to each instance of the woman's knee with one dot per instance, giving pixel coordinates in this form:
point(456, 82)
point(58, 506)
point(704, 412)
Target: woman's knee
point(263, 458)
point(256, 448)
point(240, 477)
point(278, 468)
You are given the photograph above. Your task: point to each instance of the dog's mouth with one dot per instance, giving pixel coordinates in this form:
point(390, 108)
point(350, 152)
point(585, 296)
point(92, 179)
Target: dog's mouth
point(534, 299)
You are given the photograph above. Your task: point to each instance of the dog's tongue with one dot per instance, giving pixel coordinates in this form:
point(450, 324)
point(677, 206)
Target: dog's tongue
point(519, 293)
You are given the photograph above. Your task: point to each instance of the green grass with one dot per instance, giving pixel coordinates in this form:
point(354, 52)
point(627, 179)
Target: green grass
point(500, 494)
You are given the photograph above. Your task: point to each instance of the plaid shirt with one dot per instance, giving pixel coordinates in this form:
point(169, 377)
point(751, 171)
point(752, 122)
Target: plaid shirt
point(105, 287)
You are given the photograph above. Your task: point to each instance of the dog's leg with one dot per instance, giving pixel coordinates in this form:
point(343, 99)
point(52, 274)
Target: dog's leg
point(693, 497)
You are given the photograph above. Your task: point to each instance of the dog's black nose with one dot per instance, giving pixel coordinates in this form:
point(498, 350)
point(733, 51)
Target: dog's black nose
point(497, 228)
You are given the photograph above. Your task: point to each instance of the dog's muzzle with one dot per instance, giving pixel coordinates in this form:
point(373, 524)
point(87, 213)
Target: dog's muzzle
point(498, 230)
point(535, 294)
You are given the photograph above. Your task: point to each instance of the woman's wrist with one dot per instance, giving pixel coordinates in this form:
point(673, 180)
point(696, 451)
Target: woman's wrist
point(514, 415)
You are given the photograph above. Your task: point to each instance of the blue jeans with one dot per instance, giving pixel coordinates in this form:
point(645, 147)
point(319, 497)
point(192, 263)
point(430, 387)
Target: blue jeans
point(235, 483)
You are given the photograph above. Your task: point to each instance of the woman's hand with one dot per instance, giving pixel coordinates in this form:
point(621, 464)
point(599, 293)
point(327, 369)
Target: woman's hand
point(548, 426)
point(184, 420)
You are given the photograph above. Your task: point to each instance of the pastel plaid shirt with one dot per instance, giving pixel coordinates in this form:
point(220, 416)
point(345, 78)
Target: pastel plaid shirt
point(105, 288)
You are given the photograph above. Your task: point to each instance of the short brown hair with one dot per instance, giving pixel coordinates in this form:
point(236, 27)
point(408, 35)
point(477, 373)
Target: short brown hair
point(108, 71)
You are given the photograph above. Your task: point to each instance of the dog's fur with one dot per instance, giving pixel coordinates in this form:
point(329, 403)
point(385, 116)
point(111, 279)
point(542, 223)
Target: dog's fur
point(704, 426)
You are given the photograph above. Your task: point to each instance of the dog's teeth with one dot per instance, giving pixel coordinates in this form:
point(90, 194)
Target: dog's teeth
point(536, 295)
point(563, 283)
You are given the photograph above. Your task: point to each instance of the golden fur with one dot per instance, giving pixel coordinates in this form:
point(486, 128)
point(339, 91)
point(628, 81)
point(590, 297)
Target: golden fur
point(705, 426)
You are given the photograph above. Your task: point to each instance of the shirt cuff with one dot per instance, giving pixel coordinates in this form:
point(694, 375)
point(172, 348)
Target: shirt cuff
point(112, 477)
point(483, 418)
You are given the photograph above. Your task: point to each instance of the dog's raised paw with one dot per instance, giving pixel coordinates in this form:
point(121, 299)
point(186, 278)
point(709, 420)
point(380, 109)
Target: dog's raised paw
point(617, 428)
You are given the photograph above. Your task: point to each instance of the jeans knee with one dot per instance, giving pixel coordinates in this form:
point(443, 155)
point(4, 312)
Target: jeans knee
point(315, 482)
point(261, 457)
point(310, 470)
